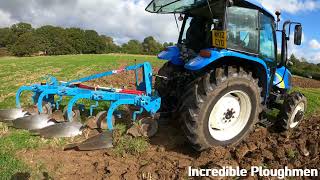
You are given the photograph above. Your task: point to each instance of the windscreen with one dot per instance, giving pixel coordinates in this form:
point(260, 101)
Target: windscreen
point(173, 6)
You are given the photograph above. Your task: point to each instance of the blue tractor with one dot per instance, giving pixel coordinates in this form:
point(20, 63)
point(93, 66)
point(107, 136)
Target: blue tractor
point(224, 74)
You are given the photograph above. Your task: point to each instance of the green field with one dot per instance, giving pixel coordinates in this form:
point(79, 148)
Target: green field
point(15, 72)
point(20, 71)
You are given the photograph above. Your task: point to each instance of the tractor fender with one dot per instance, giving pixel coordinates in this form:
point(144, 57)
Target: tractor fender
point(200, 62)
point(172, 54)
point(283, 78)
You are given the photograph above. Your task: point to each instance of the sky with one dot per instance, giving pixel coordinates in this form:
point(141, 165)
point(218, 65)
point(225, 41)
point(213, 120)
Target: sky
point(127, 19)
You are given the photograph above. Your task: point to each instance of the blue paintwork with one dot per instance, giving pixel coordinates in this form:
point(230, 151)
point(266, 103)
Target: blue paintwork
point(200, 62)
point(149, 101)
point(284, 73)
point(172, 54)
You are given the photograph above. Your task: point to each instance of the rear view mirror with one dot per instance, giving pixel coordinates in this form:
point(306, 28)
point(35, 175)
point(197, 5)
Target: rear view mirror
point(297, 34)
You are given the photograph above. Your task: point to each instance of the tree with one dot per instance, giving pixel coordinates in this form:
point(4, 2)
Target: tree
point(26, 45)
point(54, 41)
point(4, 36)
point(132, 47)
point(151, 46)
point(110, 45)
point(94, 43)
point(166, 44)
point(293, 59)
point(76, 38)
point(21, 28)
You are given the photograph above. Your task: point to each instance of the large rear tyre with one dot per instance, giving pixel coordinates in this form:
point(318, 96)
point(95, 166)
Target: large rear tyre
point(221, 107)
point(292, 111)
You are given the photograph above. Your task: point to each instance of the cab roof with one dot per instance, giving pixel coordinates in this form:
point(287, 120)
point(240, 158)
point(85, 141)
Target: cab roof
point(260, 6)
point(182, 6)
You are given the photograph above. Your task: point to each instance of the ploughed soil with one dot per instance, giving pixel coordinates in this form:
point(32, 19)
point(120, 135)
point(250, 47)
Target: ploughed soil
point(305, 82)
point(169, 155)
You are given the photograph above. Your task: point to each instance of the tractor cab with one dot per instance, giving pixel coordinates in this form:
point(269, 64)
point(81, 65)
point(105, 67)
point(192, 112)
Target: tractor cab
point(212, 30)
point(240, 26)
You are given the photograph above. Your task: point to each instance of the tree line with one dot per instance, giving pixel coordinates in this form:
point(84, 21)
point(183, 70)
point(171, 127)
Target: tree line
point(22, 39)
point(302, 68)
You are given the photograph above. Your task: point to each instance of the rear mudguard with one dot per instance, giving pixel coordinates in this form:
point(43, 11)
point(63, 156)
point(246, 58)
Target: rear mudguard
point(283, 78)
point(172, 54)
point(200, 62)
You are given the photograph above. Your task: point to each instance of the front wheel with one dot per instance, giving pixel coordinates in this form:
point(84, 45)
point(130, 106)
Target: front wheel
point(292, 112)
point(221, 108)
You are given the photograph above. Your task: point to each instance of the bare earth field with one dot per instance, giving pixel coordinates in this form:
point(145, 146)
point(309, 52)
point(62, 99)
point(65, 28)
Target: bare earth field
point(168, 154)
point(305, 83)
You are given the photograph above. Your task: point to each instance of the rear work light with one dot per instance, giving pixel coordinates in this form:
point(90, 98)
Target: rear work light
point(205, 53)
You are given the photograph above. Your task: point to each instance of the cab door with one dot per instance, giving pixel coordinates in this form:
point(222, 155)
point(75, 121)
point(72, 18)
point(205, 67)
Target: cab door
point(268, 44)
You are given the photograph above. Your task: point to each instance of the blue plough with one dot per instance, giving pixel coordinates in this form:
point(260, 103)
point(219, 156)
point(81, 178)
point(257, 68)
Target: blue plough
point(142, 97)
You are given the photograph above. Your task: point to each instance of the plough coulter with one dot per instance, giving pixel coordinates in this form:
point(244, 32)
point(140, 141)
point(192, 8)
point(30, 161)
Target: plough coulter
point(48, 96)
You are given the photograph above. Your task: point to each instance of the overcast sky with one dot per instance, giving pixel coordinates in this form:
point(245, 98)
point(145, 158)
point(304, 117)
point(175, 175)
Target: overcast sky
point(126, 19)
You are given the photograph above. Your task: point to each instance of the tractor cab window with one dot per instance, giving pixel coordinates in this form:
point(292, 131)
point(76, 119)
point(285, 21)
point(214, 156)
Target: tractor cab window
point(267, 37)
point(173, 6)
point(185, 29)
point(196, 33)
point(242, 29)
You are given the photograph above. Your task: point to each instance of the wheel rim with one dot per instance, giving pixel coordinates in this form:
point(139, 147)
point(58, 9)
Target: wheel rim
point(230, 115)
point(294, 120)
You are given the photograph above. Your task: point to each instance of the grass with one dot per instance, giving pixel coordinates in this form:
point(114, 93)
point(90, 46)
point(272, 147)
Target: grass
point(125, 144)
point(9, 145)
point(292, 154)
point(313, 97)
point(15, 72)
